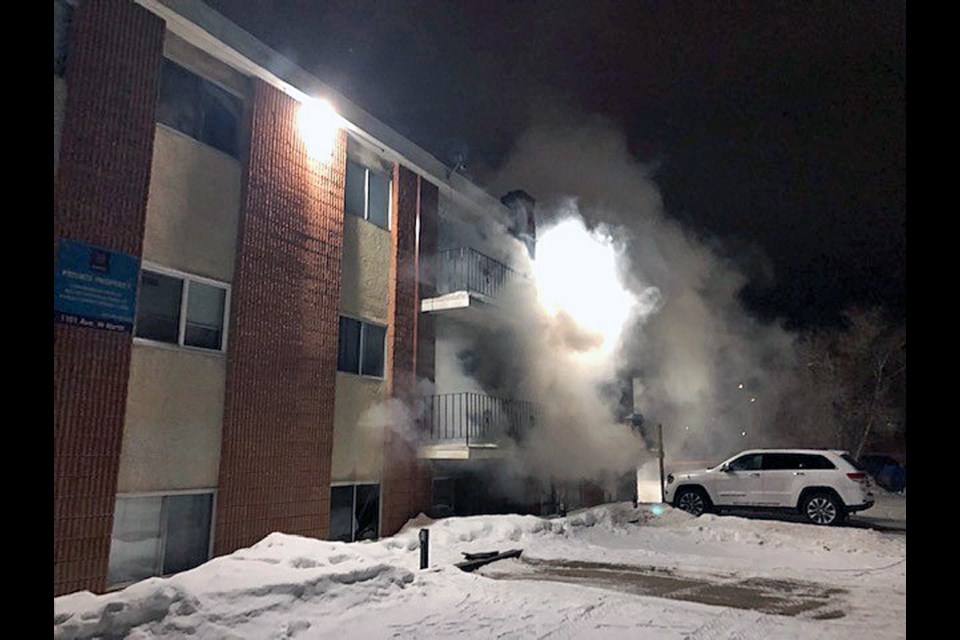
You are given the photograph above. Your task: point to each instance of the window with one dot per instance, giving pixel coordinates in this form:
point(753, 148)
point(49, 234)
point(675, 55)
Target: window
point(780, 461)
point(794, 461)
point(159, 535)
point(62, 16)
point(750, 462)
point(161, 301)
point(810, 461)
point(361, 348)
point(355, 512)
point(367, 194)
point(200, 109)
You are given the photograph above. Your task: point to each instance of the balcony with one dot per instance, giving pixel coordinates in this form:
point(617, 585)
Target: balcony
point(463, 426)
point(466, 277)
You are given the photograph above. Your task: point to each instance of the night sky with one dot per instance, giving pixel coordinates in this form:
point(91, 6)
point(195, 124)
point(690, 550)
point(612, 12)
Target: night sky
point(774, 124)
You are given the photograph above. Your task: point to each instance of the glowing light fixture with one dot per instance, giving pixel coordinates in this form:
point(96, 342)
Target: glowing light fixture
point(576, 272)
point(318, 123)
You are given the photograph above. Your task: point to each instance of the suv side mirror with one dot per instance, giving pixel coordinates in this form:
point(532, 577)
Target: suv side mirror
point(725, 468)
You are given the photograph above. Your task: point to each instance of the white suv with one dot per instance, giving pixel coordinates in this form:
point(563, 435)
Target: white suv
point(825, 486)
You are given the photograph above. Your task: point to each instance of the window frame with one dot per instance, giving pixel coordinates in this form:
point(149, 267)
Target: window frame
point(186, 278)
point(363, 323)
point(162, 547)
point(744, 456)
point(353, 508)
point(241, 132)
point(366, 193)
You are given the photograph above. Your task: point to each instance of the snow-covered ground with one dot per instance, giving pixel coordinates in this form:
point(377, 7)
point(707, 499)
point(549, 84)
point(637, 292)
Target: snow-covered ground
point(288, 586)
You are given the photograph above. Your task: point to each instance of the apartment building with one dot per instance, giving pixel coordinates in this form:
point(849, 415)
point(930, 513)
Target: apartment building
point(248, 286)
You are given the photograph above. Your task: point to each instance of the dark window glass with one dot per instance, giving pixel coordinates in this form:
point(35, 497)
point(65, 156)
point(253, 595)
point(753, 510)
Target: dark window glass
point(221, 116)
point(205, 307)
point(810, 461)
point(378, 208)
point(341, 513)
point(198, 108)
point(62, 16)
point(373, 339)
point(348, 357)
point(368, 512)
point(780, 461)
point(443, 493)
point(355, 203)
point(179, 105)
point(749, 462)
point(158, 307)
point(187, 540)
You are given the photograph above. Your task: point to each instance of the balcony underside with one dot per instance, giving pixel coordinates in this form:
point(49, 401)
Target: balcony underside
point(459, 450)
point(455, 300)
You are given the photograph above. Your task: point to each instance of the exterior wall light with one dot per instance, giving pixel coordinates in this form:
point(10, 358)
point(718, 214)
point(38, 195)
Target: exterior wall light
point(318, 123)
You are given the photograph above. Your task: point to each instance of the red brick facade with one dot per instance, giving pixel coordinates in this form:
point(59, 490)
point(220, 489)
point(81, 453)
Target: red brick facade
point(406, 482)
point(282, 352)
point(99, 197)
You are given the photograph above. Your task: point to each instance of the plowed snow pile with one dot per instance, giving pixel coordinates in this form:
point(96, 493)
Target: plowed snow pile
point(286, 586)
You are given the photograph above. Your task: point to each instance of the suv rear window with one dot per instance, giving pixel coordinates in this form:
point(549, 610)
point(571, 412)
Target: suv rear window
point(811, 461)
point(852, 461)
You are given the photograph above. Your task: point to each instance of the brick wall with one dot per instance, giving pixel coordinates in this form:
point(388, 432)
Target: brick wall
point(99, 197)
point(407, 483)
point(282, 351)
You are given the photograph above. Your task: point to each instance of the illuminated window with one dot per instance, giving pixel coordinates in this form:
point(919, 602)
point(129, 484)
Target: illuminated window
point(182, 310)
point(368, 194)
point(361, 347)
point(198, 108)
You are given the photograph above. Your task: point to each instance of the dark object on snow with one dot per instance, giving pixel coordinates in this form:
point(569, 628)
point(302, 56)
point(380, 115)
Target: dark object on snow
point(424, 548)
point(472, 565)
point(888, 473)
point(483, 555)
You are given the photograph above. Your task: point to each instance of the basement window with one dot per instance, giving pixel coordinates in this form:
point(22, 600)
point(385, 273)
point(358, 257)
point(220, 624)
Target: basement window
point(199, 108)
point(361, 347)
point(182, 310)
point(355, 512)
point(367, 194)
point(158, 535)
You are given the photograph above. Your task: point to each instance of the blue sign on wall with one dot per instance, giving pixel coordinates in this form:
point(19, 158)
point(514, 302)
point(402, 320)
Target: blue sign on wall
point(95, 287)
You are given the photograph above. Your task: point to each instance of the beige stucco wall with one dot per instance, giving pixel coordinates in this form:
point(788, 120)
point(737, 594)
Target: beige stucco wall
point(193, 207)
point(364, 287)
point(358, 408)
point(171, 437)
point(59, 106)
point(358, 435)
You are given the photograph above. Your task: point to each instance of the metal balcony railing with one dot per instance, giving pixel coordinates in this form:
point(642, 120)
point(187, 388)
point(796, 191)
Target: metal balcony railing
point(476, 418)
point(466, 269)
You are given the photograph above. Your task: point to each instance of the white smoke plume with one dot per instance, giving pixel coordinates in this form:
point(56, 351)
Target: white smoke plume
point(708, 371)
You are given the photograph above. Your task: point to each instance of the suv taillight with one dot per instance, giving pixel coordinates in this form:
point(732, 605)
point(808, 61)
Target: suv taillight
point(857, 476)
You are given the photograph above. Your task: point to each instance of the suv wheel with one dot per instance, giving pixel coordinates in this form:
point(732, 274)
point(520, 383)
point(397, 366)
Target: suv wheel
point(692, 500)
point(823, 508)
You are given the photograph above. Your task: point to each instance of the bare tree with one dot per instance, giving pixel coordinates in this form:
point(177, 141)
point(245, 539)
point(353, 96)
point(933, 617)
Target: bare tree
point(846, 379)
point(875, 356)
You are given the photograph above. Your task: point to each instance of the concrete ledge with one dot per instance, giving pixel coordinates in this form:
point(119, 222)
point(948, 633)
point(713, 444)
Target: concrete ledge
point(455, 450)
point(455, 300)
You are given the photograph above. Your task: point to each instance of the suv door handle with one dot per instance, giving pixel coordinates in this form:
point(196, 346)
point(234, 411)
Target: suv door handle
point(799, 473)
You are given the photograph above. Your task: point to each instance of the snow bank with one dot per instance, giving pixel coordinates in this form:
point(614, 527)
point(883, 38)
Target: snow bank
point(287, 585)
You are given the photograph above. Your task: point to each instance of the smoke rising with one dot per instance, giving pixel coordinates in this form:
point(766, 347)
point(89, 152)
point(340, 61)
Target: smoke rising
point(703, 367)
